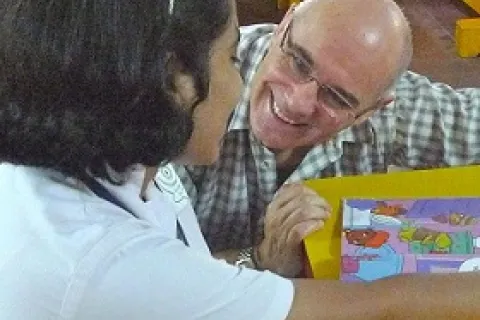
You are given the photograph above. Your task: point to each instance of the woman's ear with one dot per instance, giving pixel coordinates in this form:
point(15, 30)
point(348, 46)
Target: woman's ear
point(184, 91)
point(181, 85)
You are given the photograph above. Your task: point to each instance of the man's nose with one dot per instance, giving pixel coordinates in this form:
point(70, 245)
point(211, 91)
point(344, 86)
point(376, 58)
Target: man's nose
point(304, 98)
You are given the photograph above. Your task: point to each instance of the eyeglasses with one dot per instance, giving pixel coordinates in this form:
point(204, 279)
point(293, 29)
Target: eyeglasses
point(297, 68)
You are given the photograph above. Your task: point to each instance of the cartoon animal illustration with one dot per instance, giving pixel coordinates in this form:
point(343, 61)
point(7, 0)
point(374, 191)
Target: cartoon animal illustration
point(366, 237)
point(440, 242)
point(385, 209)
point(456, 219)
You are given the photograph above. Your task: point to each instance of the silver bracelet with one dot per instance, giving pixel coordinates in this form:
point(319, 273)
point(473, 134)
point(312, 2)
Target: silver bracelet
point(245, 258)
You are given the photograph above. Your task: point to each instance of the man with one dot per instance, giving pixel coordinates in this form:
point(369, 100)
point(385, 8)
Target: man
point(317, 103)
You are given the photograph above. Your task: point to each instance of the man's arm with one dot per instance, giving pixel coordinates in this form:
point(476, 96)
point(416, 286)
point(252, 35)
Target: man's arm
point(294, 213)
point(416, 296)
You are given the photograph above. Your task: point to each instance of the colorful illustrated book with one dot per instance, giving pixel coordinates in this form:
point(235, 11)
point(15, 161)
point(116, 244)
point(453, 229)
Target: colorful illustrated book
point(323, 247)
point(383, 238)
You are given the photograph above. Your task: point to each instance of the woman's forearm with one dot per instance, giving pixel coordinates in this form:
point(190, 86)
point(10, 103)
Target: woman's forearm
point(454, 296)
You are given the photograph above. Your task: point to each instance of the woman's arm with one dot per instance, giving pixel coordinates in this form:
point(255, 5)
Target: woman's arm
point(416, 296)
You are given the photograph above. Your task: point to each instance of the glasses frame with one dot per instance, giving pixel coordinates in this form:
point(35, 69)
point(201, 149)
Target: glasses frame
point(322, 88)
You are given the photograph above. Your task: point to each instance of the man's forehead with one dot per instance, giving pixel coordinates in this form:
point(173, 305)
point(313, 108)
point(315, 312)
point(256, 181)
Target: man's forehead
point(352, 42)
point(311, 33)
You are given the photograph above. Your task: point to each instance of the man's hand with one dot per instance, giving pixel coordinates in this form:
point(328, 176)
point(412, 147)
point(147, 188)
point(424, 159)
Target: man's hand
point(295, 212)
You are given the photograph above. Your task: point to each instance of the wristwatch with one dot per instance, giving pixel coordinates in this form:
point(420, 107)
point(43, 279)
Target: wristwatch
point(245, 258)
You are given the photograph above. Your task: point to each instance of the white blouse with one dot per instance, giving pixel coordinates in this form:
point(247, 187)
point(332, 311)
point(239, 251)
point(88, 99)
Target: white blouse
point(65, 253)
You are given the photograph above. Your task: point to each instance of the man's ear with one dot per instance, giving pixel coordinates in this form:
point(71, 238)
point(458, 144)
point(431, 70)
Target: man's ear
point(387, 98)
point(367, 114)
point(383, 102)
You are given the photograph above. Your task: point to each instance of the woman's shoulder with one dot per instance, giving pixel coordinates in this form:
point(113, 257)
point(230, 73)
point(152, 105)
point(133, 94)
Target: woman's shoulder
point(58, 232)
point(54, 214)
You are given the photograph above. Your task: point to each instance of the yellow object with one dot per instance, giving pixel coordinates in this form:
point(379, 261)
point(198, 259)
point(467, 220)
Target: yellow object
point(467, 36)
point(323, 247)
point(285, 4)
point(474, 4)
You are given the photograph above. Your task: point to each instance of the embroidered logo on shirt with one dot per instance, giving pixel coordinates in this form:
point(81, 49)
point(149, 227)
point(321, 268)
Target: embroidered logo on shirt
point(168, 182)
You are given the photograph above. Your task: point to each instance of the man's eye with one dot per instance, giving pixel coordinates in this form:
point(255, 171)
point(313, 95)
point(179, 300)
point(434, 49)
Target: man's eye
point(336, 100)
point(300, 66)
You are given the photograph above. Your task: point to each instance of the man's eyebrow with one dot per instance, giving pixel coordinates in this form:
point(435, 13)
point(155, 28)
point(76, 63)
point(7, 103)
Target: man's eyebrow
point(308, 57)
point(304, 54)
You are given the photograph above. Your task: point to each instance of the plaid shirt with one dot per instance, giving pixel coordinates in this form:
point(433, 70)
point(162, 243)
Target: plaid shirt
point(428, 125)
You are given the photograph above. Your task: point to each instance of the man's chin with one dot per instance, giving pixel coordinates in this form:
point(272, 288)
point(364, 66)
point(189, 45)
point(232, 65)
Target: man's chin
point(273, 143)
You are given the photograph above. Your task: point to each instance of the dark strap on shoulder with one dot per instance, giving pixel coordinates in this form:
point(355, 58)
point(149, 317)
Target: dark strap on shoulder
point(103, 193)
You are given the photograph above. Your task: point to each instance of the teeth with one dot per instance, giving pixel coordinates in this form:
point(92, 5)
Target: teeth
point(279, 114)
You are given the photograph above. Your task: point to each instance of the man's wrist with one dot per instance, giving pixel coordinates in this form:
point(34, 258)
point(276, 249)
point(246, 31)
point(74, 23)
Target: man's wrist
point(245, 258)
point(248, 257)
point(256, 258)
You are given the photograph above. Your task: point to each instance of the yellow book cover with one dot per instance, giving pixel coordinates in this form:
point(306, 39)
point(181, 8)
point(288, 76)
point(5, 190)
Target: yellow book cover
point(323, 247)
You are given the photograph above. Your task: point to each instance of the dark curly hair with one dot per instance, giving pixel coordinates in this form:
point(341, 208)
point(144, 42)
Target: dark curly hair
point(84, 84)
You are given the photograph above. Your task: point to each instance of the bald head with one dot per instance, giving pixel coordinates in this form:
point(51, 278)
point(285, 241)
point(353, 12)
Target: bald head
point(330, 64)
point(375, 30)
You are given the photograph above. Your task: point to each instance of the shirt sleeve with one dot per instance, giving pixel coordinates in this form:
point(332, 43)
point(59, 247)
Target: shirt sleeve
point(437, 125)
point(163, 279)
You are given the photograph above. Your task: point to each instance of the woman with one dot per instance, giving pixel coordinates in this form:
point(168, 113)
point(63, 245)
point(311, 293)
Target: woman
point(92, 92)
